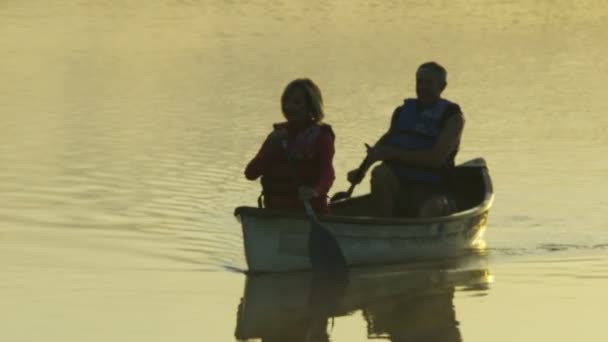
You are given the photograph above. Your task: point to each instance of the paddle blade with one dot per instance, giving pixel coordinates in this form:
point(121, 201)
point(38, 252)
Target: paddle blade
point(324, 251)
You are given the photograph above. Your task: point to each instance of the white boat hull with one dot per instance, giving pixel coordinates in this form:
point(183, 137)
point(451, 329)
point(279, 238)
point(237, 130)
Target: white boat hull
point(280, 244)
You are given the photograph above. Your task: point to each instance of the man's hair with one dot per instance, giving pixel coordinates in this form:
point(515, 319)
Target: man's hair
point(314, 99)
point(443, 74)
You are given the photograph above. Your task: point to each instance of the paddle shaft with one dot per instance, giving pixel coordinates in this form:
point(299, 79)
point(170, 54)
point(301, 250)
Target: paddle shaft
point(309, 212)
point(349, 192)
point(359, 172)
point(323, 248)
point(351, 188)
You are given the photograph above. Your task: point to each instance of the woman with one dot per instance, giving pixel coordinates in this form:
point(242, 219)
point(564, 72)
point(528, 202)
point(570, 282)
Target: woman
point(295, 160)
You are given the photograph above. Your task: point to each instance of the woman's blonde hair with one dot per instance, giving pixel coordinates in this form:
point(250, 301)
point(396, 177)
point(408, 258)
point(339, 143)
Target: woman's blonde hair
point(314, 99)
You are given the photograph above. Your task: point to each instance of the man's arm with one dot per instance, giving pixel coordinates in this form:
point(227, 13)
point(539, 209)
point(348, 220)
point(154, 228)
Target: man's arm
point(356, 176)
point(368, 162)
point(447, 141)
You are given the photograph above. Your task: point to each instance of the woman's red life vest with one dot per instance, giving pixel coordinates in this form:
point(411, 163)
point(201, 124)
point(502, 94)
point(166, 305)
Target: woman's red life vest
point(280, 183)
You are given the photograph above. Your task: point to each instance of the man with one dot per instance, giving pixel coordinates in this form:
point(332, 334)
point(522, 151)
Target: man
point(417, 152)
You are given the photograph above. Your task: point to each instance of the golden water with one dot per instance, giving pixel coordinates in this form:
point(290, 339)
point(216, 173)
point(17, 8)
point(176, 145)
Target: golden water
point(126, 125)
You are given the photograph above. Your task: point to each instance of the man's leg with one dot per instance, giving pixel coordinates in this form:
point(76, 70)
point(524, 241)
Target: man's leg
point(385, 186)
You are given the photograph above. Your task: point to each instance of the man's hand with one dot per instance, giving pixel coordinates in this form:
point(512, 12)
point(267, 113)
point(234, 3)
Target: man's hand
point(355, 176)
point(306, 193)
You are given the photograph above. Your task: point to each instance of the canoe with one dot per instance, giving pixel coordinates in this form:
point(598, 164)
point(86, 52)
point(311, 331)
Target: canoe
point(405, 300)
point(276, 241)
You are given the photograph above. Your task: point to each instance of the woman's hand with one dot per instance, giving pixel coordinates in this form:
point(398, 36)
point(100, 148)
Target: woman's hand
point(306, 193)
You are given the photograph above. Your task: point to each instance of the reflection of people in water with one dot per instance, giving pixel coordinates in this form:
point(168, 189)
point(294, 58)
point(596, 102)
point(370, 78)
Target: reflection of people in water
point(426, 316)
point(324, 296)
point(312, 330)
point(326, 293)
point(399, 304)
point(297, 331)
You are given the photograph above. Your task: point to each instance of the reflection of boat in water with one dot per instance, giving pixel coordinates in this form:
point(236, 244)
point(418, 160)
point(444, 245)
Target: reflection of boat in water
point(276, 241)
point(399, 302)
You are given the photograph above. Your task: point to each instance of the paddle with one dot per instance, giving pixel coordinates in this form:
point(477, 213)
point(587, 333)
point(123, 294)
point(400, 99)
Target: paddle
point(323, 249)
point(346, 194)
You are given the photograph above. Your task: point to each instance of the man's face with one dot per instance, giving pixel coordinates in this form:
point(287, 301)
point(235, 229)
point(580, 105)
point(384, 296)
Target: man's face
point(429, 85)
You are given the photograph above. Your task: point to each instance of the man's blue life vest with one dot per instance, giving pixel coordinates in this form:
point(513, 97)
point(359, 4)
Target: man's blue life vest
point(414, 129)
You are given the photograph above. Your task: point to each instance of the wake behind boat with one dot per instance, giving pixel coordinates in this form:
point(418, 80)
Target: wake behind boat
point(276, 241)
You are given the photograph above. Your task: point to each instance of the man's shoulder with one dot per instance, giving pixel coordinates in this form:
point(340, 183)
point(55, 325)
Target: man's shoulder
point(395, 117)
point(452, 108)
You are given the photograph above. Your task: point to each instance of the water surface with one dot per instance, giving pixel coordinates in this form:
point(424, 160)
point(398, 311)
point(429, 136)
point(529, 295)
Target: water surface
point(126, 127)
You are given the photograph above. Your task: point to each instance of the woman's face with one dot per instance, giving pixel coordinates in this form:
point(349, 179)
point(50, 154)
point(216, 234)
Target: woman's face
point(294, 105)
